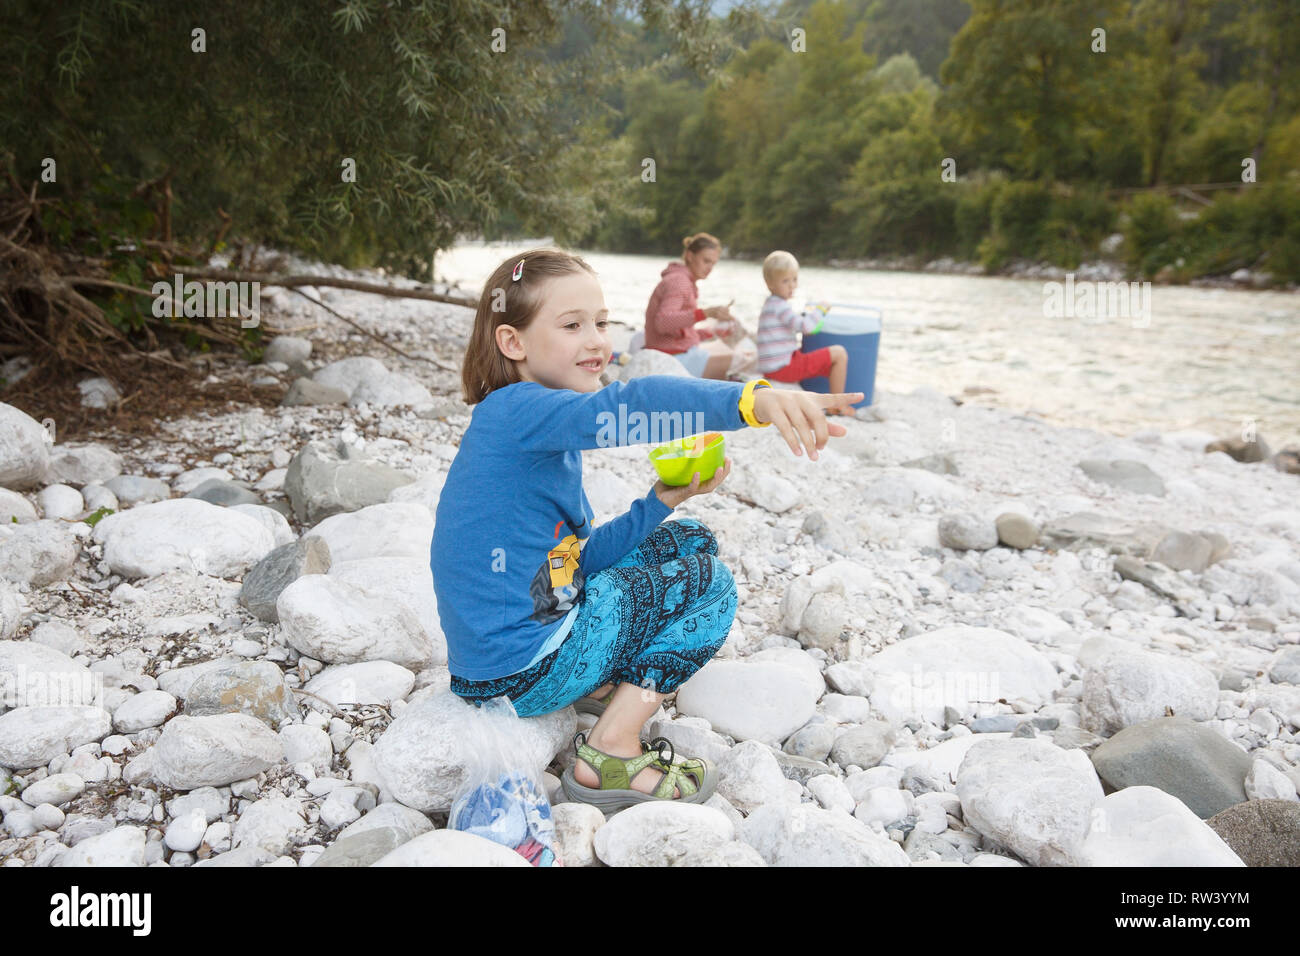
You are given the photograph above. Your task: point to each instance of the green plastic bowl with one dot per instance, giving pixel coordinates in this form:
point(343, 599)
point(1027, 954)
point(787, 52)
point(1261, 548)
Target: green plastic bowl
point(676, 465)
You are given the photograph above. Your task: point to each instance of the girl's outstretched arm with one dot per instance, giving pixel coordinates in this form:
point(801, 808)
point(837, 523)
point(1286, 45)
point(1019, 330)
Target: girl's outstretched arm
point(654, 409)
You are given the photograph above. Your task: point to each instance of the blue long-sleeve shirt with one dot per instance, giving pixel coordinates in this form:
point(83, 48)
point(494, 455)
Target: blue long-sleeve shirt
point(513, 541)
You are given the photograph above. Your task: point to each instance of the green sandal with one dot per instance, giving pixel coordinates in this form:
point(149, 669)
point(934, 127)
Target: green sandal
point(586, 705)
point(696, 779)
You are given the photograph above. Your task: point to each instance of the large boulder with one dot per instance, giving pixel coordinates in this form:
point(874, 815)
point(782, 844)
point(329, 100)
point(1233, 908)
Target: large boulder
point(388, 530)
point(38, 553)
point(424, 754)
point(1261, 832)
point(1030, 796)
point(1126, 686)
point(803, 835)
point(256, 688)
point(24, 449)
point(330, 620)
point(670, 833)
point(33, 674)
point(1191, 761)
point(321, 482)
point(1143, 826)
point(765, 700)
point(83, 464)
point(451, 848)
point(31, 737)
point(958, 667)
point(214, 750)
point(182, 534)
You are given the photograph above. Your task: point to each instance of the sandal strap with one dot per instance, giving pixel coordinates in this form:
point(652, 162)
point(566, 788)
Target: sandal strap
point(617, 773)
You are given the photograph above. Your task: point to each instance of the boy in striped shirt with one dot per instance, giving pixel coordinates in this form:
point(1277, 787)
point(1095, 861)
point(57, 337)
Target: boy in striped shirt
point(779, 356)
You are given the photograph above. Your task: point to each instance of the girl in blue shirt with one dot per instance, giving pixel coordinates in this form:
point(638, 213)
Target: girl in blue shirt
point(539, 606)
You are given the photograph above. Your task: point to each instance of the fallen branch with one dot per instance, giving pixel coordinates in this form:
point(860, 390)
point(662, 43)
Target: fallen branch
point(291, 282)
point(378, 338)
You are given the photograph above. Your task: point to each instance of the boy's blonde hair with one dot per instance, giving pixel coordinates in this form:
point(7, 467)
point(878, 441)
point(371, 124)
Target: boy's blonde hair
point(779, 264)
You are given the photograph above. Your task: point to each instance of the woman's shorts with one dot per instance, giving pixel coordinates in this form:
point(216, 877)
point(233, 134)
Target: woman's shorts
point(804, 365)
point(652, 619)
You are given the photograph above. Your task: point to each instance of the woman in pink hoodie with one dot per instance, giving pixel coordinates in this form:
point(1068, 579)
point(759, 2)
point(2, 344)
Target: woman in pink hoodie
point(671, 316)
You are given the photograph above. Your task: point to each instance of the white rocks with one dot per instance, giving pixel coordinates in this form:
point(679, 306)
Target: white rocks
point(58, 635)
point(957, 667)
point(46, 816)
point(1125, 686)
point(749, 777)
point(185, 832)
point(38, 552)
point(33, 674)
point(340, 808)
point(395, 529)
point(60, 501)
point(1266, 782)
point(185, 534)
point(187, 481)
point(121, 846)
point(149, 708)
point(824, 620)
point(883, 806)
point(846, 709)
point(1144, 826)
point(331, 620)
point(400, 582)
point(423, 754)
point(98, 393)
point(1030, 796)
point(137, 489)
point(24, 448)
point(303, 744)
point(33, 736)
point(213, 750)
point(666, 833)
point(804, 835)
point(391, 389)
point(576, 825)
point(764, 700)
point(56, 789)
point(404, 821)
point(691, 736)
point(964, 531)
point(83, 464)
point(1036, 625)
point(270, 519)
point(346, 374)
point(209, 802)
point(271, 823)
point(451, 848)
point(14, 508)
point(13, 608)
point(831, 793)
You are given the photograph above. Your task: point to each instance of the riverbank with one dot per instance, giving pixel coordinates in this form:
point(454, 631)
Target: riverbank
point(959, 638)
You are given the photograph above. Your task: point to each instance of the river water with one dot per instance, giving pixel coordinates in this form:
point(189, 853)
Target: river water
point(1218, 360)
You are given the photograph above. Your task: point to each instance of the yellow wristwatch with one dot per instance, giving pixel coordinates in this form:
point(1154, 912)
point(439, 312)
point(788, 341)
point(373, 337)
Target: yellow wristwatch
point(747, 402)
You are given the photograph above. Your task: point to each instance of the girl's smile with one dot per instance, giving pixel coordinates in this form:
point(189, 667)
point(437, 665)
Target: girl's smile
point(567, 345)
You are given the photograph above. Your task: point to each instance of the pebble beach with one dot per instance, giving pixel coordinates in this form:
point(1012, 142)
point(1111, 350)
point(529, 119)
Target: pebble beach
point(965, 636)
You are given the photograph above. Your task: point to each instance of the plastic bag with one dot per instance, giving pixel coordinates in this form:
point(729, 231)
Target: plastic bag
point(503, 799)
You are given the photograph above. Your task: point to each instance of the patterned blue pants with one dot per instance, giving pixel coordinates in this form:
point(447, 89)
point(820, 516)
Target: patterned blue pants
point(652, 619)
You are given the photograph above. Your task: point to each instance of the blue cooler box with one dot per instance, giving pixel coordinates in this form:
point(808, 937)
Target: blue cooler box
point(857, 328)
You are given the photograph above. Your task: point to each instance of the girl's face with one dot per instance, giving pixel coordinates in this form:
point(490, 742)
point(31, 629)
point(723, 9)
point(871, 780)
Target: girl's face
point(567, 344)
point(701, 263)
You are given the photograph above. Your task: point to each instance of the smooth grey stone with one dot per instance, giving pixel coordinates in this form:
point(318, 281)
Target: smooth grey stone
point(1086, 529)
point(304, 391)
point(1191, 761)
point(1286, 667)
point(219, 491)
point(1025, 729)
point(1076, 738)
point(799, 768)
point(362, 849)
point(1162, 581)
point(137, 489)
point(1183, 551)
point(1016, 531)
point(995, 724)
point(1234, 680)
point(920, 780)
point(813, 741)
point(287, 349)
point(1261, 832)
point(1125, 474)
point(863, 746)
point(280, 568)
point(256, 688)
point(320, 483)
point(938, 463)
point(967, 532)
point(918, 844)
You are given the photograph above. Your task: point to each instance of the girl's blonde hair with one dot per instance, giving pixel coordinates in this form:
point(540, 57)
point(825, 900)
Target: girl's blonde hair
point(514, 302)
point(778, 264)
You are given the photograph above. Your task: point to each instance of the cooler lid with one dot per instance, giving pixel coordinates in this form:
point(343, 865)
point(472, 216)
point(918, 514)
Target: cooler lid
point(844, 319)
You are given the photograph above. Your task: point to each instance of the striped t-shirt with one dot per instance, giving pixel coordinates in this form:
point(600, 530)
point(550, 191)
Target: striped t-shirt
point(778, 324)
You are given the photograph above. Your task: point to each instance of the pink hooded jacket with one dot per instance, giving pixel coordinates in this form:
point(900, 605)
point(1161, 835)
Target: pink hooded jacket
point(672, 313)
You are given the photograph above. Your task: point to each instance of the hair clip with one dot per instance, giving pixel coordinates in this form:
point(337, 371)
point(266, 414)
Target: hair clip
point(519, 271)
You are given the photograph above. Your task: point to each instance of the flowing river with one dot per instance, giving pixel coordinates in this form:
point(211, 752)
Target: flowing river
point(1218, 360)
